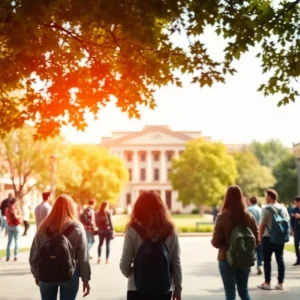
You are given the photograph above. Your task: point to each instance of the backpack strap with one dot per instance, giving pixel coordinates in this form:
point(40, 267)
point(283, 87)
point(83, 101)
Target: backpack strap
point(69, 230)
point(164, 237)
point(140, 231)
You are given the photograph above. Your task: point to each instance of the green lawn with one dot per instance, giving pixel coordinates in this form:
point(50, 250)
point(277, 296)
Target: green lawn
point(183, 223)
point(289, 247)
point(3, 252)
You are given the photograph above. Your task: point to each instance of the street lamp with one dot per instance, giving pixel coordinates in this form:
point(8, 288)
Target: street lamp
point(53, 159)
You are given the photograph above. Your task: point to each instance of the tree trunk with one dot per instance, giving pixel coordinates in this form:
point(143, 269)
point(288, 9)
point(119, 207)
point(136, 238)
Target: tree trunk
point(201, 210)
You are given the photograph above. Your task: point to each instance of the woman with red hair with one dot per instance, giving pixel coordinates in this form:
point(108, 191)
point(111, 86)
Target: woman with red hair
point(151, 253)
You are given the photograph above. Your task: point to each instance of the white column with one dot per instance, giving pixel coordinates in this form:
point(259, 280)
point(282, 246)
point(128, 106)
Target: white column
point(135, 170)
point(163, 171)
point(149, 170)
point(163, 196)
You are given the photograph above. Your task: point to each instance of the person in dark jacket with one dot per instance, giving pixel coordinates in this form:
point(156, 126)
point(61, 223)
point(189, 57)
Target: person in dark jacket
point(3, 207)
point(105, 230)
point(295, 222)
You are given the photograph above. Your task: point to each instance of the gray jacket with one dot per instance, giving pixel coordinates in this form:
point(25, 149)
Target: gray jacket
point(133, 242)
point(77, 239)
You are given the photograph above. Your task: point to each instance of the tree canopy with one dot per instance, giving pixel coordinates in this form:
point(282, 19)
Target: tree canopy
point(202, 173)
point(28, 161)
point(253, 178)
point(100, 175)
point(286, 176)
point(269, 153)
point(60, 58)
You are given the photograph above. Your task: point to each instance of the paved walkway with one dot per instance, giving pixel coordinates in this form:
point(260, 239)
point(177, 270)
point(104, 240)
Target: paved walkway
point(200, 273)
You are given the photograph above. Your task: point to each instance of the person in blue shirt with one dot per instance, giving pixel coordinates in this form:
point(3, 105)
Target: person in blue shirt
point(295, 221)
point(255, 210)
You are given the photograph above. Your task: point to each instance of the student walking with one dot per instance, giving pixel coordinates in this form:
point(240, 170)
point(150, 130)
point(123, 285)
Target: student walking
point(235, 232)
point(88, 221)
point(3, 207)
point(274, 232)
point(151, 253)
point(43, 210)
point(105, 230)
point(255, 210)
point(26, 217)
point(59, 254)
point(295, 222)
point(14, 219)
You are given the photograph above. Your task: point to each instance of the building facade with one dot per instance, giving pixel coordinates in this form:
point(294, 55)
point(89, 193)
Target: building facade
point(147, 155)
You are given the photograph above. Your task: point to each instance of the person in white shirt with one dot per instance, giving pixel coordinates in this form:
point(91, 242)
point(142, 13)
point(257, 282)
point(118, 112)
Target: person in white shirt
point(26, 217)
point(43, 210)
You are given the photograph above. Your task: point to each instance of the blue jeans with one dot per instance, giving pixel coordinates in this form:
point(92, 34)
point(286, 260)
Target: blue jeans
point(234, 277)
point(259, 255)
point(68, 289)
point(4, 224)
point(269, 248)
point(13, 232)
point(90, 239)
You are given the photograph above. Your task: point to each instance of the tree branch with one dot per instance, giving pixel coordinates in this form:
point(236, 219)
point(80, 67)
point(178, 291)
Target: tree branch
point(287, 9)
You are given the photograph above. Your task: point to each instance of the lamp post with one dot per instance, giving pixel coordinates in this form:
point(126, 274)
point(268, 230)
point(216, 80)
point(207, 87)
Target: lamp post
point(53, 159)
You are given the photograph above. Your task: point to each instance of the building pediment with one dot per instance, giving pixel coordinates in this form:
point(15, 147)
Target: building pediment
point(151, 135)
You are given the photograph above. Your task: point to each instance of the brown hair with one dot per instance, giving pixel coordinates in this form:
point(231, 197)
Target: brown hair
point(253, 200)
point(103, 207)
point(272, 194)
point(62, 212)
point(151, 214)
point(235, 205)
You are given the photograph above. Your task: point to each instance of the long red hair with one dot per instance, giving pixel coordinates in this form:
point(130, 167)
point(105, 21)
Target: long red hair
point(62, 212)
point(235, 205)
point(151, 214)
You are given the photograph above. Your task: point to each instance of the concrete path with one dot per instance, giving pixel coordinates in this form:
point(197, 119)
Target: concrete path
point(200, 274)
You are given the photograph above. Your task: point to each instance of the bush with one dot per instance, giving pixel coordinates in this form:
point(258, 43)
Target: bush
point(190, 229)
point(195, 211)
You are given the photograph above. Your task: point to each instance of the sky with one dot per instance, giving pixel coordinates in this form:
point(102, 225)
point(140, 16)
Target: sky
point(234, 112)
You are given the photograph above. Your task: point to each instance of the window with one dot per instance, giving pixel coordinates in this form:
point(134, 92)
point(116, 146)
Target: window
point(156, 174)
point(128, 198)
point(156, 156)
point(142, 156)
point(128, 156)
point(169, 156)
point(143, 174)
point(130, 174)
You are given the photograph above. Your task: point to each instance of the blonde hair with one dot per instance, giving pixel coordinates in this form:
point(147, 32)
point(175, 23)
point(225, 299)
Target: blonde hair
point(62, 212)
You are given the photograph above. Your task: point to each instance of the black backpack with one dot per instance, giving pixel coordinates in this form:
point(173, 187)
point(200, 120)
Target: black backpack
point(102, 221)
point(56, 258)
point(86, 217)
point(152, 266)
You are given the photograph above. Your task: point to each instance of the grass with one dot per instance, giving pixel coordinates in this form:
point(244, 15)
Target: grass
point(3, 252)
point(289, 247)
point(183, 223)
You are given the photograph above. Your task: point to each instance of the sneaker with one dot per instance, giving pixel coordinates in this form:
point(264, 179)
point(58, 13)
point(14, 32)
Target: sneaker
point(91, 257)
point(107, 261)
point(15, 259)
point(265, 286)
point(297, 263)
point(279, 286)
point(99, 261)
point(259, 271)
point(7, 259)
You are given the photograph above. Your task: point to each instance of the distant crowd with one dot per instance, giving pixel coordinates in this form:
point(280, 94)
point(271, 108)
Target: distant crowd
point(60, 251)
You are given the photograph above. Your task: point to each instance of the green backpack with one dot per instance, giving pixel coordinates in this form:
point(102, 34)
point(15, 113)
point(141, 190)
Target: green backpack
point(241, 253)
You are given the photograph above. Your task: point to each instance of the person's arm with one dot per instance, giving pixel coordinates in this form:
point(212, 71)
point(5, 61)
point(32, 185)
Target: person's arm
point(110, 221)
point(177, 270)
point(263, 223)
point(83, 255)
point(127, 255)
point(218, 240)
point(34, 256)
point(254, 229)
